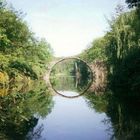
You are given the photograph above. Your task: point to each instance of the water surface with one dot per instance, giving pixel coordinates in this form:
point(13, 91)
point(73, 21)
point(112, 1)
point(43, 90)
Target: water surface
point(34, 111)
point(73, 119)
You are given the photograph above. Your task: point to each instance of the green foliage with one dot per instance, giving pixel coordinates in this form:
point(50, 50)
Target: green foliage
point(22, 107)
point(120, 49)
point(98, 102)
point(126, 78)
point(71, 75)
point(123, 53)
point(123, 36)
point(24, 68)
point(96, 51)
point(133, 3)
point(124, 116)
point(18, 45)
point(14, 32)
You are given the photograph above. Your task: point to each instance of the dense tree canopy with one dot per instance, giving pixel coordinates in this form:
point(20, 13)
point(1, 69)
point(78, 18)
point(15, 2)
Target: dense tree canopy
point(19, 48)
point(133, 3)
point(95, 51)
point(119, 49)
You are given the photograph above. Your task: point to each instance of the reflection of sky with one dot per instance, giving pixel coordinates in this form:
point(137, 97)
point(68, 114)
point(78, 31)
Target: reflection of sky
point(72, 119)
point(69, 25)
point(68, 93)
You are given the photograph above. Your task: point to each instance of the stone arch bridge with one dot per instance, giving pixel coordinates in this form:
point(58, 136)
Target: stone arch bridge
point(98, 68)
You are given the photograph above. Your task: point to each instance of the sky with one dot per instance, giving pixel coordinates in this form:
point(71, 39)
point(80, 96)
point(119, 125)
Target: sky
point(68, 25)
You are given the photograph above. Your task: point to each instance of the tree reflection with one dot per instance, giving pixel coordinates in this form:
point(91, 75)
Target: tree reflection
point(35, 134)
point(123, 115)
point(125, 118)
point(97, 101)
point(19, 111)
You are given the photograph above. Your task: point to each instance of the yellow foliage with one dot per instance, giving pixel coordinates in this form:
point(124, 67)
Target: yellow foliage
point(3, 77)
point(3, 92)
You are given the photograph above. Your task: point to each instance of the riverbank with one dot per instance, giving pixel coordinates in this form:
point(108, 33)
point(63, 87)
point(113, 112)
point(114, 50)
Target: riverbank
point(119, 49)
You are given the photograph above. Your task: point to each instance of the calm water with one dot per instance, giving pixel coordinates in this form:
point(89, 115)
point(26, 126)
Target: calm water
point(35, 114)
point(34, 111)
point(72, 119)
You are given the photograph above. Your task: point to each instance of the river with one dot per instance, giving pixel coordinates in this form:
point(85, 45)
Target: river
point(34, 111)
point(73, 119)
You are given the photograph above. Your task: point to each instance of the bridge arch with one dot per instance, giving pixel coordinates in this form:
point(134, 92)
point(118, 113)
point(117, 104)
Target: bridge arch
point(68, 58)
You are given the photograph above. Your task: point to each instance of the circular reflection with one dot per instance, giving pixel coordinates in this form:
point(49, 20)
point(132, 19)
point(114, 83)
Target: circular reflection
point(70, 77)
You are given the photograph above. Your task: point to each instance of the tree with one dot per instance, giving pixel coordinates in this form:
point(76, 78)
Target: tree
point(96, 51)
point(18, 44)
point(133, 3)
